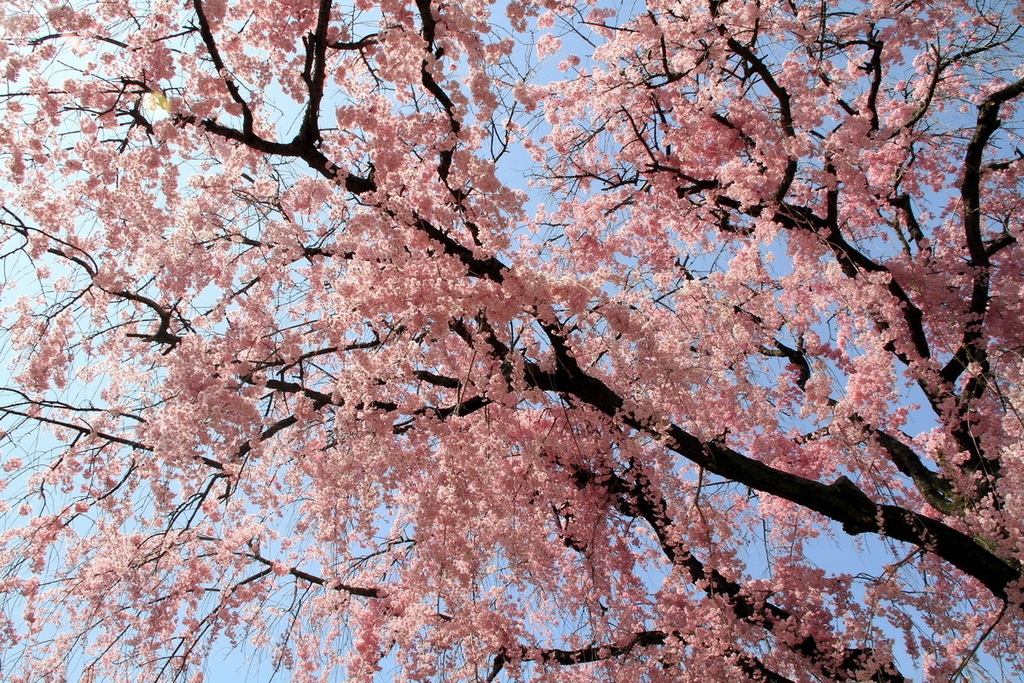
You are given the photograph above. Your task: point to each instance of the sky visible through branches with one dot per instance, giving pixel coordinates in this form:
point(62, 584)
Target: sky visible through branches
point(379, 341)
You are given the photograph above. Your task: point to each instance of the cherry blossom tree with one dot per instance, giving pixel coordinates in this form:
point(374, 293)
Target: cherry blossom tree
point(677, 341)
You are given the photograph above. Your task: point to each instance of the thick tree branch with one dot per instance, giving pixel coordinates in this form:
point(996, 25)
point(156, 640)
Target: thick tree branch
point(842, 501)
point(218, 62)
point(333, 584)
point(488, 267)
point(313, 74)
point(972, 347)
point(753, 667)
point(935, 489)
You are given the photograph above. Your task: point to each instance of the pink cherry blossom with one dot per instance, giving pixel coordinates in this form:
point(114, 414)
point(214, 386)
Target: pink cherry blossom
point(677, 341)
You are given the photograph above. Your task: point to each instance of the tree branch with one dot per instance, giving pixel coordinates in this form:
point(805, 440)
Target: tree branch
point(842, 501)
point(313, 74)
point(752, 666)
